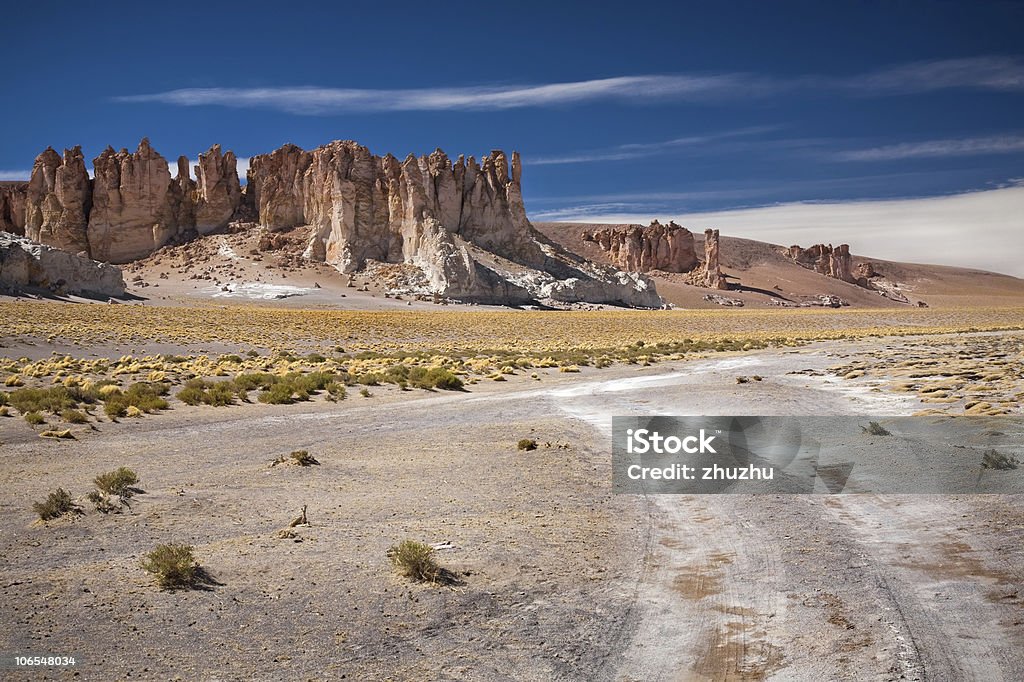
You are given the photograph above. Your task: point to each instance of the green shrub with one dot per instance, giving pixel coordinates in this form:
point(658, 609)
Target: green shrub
point(58, 503)
point(365, 392)
point(415, 560)
point(526, 444)
point(34, 418)
point(278, 394)
point(74, 417)
point(174, 566)
point(118, 482)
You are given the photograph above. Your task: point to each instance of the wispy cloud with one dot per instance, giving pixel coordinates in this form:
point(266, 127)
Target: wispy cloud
point(313, 100)
point(641, 150)
point(971, 146)
point(1004, 74)
point(15, 174)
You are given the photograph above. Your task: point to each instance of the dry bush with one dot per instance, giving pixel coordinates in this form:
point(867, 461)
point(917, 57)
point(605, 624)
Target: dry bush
point(57, 504)
point(174, 566)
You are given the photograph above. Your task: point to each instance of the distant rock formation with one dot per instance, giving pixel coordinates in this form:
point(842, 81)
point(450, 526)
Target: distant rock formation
point(826, 260)
point(13, 198)
point(713, 277)
point(25, 264)
point(641, 249)
point(462, 224)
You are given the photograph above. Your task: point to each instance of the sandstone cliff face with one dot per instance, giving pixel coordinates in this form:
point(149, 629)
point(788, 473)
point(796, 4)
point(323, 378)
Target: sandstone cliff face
point(462, 223)
point(449, 219)
point(135, 207)
point(218, 192)
point(58, 200)
point(13, 200)
point(641, 249)
point(826, 260)
point(27, 265)
point(712, 270)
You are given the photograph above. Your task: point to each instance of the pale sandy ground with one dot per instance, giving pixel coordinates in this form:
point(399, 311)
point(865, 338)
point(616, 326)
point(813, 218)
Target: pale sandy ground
point(561, 578)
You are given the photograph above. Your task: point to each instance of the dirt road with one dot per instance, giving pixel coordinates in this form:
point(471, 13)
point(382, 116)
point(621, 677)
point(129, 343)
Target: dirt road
point(560, 578)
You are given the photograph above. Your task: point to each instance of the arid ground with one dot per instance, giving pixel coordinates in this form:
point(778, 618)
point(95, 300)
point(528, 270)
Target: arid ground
point(553, 576)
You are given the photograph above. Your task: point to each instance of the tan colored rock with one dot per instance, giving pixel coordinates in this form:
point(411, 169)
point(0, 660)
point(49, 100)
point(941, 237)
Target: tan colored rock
point(449, 219)
point(826, 260)
point(712, 269)
point(218, 192)
point(13, 202)
point(275, 182)
point(58, 199)
point(656, 247)
point(135, 208)
point(27, 265)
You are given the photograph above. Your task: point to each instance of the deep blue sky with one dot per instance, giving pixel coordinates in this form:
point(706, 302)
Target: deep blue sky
point(767, 101)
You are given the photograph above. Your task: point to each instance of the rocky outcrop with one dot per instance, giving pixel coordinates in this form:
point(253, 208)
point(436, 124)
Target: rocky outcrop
point(275, 184)
point(824, 259)
point(58, 200)
point(218, 192)
point(462, 223)
point(13, 199)
point(26, 265)
point(136, 208)
point(641, 249)
point(713, 277)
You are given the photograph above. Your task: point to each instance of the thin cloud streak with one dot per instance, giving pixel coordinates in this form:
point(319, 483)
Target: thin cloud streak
point(9, 175)
point(625, 152)
point(972, 146)
point(994, 73)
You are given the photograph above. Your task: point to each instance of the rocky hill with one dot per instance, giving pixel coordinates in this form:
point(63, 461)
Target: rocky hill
point(756, 273)
point(461, 225)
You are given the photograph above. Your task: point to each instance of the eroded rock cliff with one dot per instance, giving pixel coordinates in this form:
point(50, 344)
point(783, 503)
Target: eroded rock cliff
point(13, 199)
point(25, 264)
point(641, 249)
point(712, 269)
point(58, 200)
point(824, 259)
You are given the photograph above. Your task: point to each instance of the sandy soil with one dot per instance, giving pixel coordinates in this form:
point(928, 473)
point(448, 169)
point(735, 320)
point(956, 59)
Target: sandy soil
point(560, 579)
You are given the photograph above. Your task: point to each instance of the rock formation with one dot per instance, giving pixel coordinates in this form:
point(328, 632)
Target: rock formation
point(27, 265)
point(826, 260)
point(58, 199)
point(13, 199)
point(217, 193)
point(135, 206)
point(448, 219)
point(463, 224)
point(641, 249)
point(713, 278)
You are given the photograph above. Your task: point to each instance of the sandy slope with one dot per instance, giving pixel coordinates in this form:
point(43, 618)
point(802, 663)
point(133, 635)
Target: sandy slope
point(561, 579)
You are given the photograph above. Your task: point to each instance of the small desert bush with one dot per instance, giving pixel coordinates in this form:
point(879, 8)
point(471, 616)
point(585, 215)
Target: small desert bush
point(146, 396)
point(118, 482)
point(300, 457)
point(34, 418)
point(58, 503)
point(174, 566)
point(365, 392)
point(74, 416)
point(415, 560)
point(875, 429)
point(103, 503)
point(994, 459)
point(526, 444)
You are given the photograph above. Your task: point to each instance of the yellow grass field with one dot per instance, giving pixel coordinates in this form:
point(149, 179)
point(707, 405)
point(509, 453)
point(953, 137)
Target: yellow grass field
point(461, 331)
